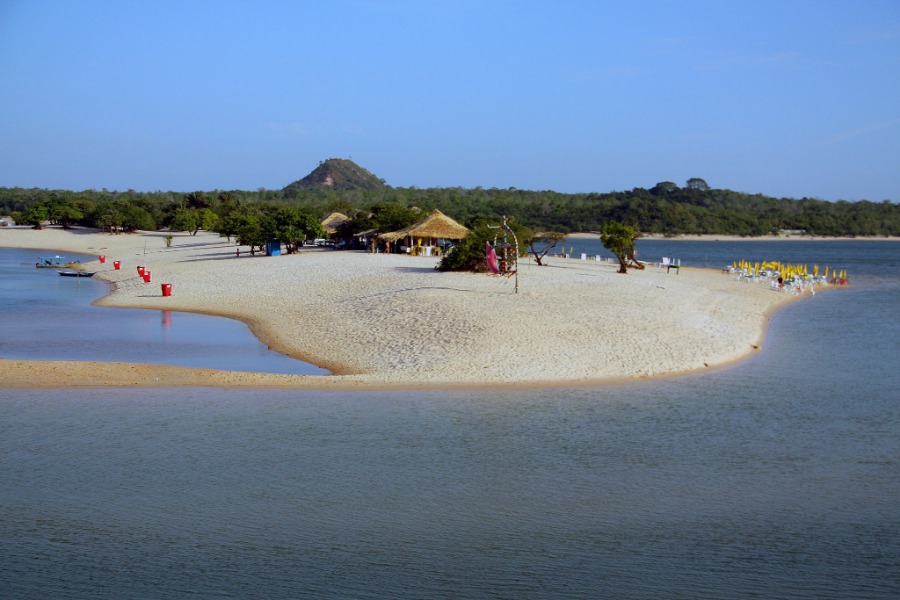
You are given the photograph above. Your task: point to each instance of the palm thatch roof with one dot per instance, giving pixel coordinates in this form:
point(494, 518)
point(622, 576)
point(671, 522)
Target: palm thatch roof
point(391, 236)
point(436, 225)
point(333, 221)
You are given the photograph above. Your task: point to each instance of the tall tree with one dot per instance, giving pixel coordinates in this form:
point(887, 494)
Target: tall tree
point(196, 200)
point(64, 212)
point(293, 225)
point(186, 219)
point(109, 216)
point(35, 216)
point(695, 183)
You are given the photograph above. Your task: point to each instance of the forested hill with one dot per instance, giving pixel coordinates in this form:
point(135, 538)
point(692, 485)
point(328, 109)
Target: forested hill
point(665, 208)
point(337, 174)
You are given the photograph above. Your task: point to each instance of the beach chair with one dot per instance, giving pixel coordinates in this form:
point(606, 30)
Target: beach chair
point(664, 264)
point(674, 263)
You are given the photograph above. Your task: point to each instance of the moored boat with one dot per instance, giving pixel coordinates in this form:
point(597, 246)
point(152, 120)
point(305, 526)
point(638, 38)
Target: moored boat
point(77, 273)
point(55, 262)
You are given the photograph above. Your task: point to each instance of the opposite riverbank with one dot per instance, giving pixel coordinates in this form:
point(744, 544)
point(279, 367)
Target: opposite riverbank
point(392, 321)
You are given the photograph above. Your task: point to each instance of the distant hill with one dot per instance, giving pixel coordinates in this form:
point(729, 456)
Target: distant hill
point(337, 174)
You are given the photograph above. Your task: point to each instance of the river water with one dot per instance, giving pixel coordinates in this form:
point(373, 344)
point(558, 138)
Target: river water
point(48, 317)
point(775, 478)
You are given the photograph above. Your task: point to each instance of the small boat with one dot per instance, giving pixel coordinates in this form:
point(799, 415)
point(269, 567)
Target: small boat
point(76, 273)
point(55, 262)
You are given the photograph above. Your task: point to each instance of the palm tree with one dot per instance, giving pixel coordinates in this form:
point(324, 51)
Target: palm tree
point(195, 200)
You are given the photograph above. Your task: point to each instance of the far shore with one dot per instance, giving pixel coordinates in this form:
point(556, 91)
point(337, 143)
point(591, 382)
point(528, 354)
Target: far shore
point(381, 321)
point(708, 237)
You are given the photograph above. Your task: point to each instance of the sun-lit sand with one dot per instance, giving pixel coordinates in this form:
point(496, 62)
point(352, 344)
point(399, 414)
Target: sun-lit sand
point(393, 321)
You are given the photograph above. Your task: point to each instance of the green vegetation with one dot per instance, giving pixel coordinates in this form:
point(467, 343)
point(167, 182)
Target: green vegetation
point(619, 238)
point(383, 216)
point(340, 185)
point(255, 224)
point(469, 253)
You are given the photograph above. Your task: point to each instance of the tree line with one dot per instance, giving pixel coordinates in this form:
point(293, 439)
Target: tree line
point(665, 208)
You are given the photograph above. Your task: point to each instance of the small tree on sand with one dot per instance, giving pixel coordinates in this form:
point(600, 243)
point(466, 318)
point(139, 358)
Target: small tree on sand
point(542, 243)
point(619, 238)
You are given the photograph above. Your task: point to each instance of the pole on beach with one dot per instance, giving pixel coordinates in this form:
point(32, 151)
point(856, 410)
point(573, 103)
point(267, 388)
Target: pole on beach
point(509, 266)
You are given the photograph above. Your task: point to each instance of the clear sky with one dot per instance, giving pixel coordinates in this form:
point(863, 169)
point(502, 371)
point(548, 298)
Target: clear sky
point(788, 98)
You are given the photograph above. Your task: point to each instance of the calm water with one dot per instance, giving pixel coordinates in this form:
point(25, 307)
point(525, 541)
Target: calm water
point(777, 478)
point(870, 259)
point(48, 317)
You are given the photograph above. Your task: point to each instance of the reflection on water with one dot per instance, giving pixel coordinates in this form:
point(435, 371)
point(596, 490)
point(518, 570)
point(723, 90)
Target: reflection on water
point(47, 317)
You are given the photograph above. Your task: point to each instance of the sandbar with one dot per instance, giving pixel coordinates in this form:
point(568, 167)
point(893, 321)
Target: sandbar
point(387, 321)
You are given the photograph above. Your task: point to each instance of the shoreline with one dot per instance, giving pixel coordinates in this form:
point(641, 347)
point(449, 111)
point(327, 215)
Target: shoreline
point(709, 237)
point(393, 322)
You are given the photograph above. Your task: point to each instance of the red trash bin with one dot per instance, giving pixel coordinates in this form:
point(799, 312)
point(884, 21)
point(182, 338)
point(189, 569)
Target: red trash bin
point(167, 289)
point(116, 265)
point(146, 276)
point(140, 270)
point(102, 258)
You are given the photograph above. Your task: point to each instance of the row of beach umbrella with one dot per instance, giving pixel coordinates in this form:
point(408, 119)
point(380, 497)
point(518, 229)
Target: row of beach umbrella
point(787, 271)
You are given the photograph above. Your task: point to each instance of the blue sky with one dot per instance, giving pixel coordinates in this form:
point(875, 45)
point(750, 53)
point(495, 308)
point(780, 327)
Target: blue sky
point(789, 99)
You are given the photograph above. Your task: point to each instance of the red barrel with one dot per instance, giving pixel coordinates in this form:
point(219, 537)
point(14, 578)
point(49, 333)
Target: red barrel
point(102, 258)
point(167, 289)
point(116, 265)
point(146, 276)
point(140, 271)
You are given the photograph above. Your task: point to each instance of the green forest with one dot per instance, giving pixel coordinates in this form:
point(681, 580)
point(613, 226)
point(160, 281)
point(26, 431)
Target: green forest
point(666, 208)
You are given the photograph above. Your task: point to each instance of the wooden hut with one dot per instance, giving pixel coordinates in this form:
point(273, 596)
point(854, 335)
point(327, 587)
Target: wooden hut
point(429, 236)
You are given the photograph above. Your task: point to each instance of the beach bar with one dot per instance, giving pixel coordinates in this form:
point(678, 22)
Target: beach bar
point(429, 236)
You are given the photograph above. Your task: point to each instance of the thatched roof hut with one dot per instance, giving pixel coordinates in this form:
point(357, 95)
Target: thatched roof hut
point(425, 237)
point(331, 223)
point(437, 225)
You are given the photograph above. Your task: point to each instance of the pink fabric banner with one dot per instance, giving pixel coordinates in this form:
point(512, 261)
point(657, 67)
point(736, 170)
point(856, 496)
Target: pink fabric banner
point(491, 257)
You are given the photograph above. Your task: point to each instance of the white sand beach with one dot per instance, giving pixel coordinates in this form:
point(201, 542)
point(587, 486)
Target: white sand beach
point(393, 321)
